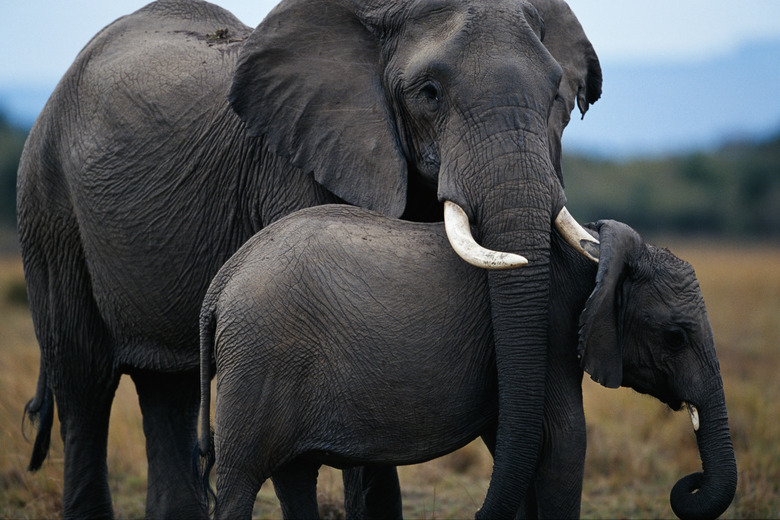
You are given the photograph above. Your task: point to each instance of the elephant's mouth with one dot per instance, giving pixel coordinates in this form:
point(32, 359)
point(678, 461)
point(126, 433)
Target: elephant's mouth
point(693, 410)
point(675, 404)
point(670, 399)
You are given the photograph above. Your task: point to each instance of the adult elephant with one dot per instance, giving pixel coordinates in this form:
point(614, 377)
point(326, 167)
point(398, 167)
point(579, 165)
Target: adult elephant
point(139, 179)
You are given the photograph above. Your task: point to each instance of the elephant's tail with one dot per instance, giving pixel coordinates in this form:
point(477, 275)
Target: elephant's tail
point(40, 411)
point(205, 456)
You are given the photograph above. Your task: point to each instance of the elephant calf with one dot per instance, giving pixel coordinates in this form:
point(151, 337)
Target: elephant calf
point(343, 337)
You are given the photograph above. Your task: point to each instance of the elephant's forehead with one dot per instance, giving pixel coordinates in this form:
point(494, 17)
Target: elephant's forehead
point(479, 40)
point(665, 266)
point(447, 20)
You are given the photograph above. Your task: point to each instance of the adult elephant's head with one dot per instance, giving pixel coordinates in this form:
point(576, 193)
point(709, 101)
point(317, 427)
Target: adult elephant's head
point(468, 98)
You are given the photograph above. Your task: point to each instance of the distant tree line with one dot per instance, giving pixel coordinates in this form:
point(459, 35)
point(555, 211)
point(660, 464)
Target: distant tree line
point(734, 191)
point(11, 143)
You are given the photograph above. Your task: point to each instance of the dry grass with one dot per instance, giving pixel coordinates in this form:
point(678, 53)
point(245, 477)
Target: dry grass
point(637, 449)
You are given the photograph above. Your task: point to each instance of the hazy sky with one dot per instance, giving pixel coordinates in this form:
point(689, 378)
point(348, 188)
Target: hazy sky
point(41, 37)
point(668, 40)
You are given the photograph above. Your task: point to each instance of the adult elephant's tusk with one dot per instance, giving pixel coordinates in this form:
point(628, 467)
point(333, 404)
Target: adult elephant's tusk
point(576, 235)
point(456, 223)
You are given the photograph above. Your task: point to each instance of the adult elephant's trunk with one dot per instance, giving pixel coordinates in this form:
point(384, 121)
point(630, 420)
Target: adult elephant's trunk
point(519, 302)
point(515, 218)
point(707, 494)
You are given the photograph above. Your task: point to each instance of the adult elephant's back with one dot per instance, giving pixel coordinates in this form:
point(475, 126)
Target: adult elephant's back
point(145, 175)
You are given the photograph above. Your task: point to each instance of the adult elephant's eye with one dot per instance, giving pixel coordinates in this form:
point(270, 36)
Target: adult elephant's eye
point(675, 339)
point(430, 93)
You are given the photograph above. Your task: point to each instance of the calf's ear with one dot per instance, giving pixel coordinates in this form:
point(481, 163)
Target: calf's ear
point(599, 346)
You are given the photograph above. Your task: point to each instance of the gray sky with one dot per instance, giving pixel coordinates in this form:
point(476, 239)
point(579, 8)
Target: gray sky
point(41, 37)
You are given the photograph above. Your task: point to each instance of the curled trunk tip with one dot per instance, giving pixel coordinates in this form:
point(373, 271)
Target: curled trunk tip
point(708, 494)
point(690, 501)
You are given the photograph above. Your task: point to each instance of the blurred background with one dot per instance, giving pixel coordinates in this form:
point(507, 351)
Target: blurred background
point(684, 146)
point(687, 127)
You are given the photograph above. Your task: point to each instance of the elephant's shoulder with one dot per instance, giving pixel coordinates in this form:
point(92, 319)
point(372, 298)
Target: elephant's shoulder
point(170, 25)
point(194, 15)
point(168, 59)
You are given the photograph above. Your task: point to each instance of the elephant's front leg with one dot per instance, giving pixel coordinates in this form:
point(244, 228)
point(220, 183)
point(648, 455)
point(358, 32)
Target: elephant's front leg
point(558, 478)
point(372, 492)
point(169, 403)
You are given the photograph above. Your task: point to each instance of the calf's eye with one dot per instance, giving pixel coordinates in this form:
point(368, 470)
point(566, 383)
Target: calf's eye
point(675, 339)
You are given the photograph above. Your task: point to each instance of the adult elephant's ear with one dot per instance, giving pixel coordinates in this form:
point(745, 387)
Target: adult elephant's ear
point(308, 79)
point(599, 345)
point(581, 83)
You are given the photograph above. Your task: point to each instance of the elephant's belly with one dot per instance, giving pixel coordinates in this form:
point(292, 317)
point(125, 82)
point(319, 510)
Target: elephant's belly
point(407, 401)
point(408, 433)
point(148, 282)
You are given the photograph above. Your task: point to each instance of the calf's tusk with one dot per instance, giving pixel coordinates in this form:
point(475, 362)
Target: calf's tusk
point(576, 235)
point(456, 223)
point(694, 416)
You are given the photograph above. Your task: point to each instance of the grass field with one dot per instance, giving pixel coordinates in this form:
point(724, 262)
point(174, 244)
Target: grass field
point(637, 448)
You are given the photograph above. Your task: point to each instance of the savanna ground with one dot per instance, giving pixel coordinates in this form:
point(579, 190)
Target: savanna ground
point(637, 448)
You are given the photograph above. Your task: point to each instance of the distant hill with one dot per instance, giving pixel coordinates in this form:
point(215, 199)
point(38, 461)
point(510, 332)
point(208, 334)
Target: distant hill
point(11, 144)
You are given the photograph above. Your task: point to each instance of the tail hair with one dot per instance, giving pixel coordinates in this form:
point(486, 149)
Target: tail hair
point(203, 462)
point(40, 411)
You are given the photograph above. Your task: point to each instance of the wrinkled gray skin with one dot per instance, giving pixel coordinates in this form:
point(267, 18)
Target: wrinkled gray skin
point(179, 132)
point(343, 337)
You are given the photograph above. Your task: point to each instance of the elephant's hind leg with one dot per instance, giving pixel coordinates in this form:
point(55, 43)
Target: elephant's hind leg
point(372, 493)
point(238, 483)
point(169, 403)
point(84, 383)
point(84, 429)
point(295, 484)
point(76, 349)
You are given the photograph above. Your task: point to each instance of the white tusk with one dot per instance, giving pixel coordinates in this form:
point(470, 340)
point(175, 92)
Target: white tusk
point(694, 416)
point(456, 223)
point(576, 235)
